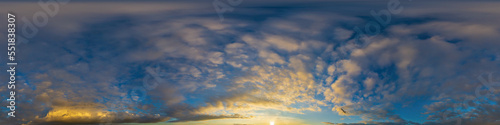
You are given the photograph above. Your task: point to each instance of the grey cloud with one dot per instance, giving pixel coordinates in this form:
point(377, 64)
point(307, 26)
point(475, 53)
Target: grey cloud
point(189, 48)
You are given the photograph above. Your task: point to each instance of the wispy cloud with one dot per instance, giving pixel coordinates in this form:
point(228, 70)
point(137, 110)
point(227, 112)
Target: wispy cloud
point(260, 59)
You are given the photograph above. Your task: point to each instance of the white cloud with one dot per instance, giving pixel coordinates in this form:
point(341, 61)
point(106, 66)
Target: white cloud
point(216, 57)
point(271, 57)
point(282, 42)
point(331, 69)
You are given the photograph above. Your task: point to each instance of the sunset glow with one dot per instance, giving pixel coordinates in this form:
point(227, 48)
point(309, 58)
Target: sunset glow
point(250, 62)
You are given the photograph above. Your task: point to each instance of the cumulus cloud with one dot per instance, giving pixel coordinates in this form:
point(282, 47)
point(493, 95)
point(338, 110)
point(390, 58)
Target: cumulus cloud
point(298, 62)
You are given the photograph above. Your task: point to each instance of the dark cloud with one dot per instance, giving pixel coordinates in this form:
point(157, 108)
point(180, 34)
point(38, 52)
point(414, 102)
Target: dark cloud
point(304, 58)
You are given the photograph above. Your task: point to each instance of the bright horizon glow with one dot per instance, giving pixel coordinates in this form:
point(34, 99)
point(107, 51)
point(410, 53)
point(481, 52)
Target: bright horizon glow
point(313, 62)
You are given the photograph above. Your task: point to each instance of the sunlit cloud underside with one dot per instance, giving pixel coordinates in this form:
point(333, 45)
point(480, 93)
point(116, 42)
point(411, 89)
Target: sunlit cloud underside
point(264, 63)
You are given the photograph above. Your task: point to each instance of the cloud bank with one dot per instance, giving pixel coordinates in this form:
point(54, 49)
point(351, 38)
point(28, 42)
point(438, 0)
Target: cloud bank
point(435, 63)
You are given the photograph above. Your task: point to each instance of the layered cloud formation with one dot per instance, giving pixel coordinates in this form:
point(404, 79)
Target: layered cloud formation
point(177, 63)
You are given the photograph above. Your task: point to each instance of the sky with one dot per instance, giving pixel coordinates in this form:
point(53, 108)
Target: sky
point(243, 62)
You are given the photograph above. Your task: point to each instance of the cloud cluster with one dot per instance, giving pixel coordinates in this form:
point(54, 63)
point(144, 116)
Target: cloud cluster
point(295, 62)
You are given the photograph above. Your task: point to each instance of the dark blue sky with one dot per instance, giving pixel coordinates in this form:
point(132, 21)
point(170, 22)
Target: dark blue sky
point(257, 62)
